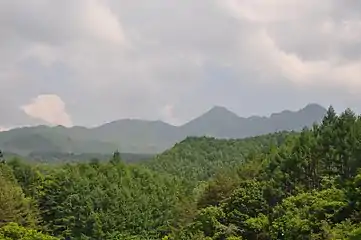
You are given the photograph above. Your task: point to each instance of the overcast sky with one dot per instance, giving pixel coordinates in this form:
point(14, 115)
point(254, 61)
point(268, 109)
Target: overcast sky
point(87, 62)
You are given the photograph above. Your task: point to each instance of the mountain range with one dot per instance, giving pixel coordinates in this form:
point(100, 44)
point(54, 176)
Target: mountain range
point(141, 136)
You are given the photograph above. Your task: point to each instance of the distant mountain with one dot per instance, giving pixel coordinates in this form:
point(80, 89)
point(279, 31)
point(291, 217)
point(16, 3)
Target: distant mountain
point(217, 122)
point(140, 136)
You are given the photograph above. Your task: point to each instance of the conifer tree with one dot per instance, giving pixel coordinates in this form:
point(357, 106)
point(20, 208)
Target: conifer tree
point(116, 159)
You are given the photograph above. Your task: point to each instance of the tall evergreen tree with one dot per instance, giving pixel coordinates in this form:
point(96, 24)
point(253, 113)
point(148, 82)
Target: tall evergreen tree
point(2, 159)
point(116, 159)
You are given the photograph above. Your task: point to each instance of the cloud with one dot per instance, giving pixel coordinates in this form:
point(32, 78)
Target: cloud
point(169, 115)
point(269, 55)
point(4, 129)
point(267, 12)
point(100, 21)
point(310, 73)
point(49, 108)
point(172, 60)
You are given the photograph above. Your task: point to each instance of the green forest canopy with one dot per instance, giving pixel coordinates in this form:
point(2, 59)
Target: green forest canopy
point(280, 186)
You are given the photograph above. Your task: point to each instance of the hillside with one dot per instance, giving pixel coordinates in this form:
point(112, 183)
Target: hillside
point(304, 185)
point(61, 158)
point(307, 188)
point(199, 158)
point(129, 201)
point(140, 136)
point(221, 123)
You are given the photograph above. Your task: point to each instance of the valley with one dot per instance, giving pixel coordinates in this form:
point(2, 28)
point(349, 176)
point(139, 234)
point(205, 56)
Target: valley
point(285, 185)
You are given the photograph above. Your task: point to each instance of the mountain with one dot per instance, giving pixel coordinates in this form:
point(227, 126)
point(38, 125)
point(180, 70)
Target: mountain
point(198, 158)
point(140, 136)
point(46, 139)
point(221, 123)
point(217, 122)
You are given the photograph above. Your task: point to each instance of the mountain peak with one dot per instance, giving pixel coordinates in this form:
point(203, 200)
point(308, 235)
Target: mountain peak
point(219, 111)
point(218, 121)
point(219, 107)
point(142, 136)
point(314, 107)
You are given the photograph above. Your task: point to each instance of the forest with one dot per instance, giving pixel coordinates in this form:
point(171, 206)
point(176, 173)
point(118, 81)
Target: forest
point(286, 185)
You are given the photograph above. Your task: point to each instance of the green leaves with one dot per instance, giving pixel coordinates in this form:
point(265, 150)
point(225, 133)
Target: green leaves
point(303, 215)
point(306, 188)
point(14, 206)
point(278, 186)
point(82, 201)
point(199, 159)
point(13, 231)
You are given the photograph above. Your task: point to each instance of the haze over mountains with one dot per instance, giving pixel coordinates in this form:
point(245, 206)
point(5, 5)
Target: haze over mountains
point(141, 136)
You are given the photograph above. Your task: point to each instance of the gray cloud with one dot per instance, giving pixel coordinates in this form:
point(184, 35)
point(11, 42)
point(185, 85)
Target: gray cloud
point(171, 60)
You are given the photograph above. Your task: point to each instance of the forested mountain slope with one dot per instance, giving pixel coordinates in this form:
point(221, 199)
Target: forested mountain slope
point(61, 158)
point(113, 200)
point(89, 201)
point(308, 188)
point(288, 186)
point(199, 158)
point(140, 136)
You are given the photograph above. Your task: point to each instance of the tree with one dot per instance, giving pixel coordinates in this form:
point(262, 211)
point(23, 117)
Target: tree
point(84, 202)
point(246, 203)
point(116, 159)
point(208, 225)
point(13, 231)
point(2, 159)
point(218, 189)
point(303, 215)
point(330, 117)
point(14, 206)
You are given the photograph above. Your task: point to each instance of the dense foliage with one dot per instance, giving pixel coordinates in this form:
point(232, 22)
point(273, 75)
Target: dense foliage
point(61, 158)
point(97, 201)
point(280, 186)
point(308, 188)
point(13, 231)
point(197, 159)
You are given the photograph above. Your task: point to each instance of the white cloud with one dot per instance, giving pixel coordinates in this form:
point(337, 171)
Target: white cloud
point(169, 115)
point(49, 108)
point(4, 129)
point(101, 22)
point(272, 11)
point(307, 72)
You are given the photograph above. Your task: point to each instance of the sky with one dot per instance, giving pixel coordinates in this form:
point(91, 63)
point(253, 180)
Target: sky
point(88, 62)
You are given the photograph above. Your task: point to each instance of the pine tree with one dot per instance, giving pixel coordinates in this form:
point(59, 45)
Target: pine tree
point(116, 159)
point(2, 159)
point(14, 206)
point(330, 117)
